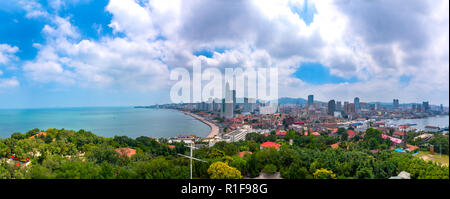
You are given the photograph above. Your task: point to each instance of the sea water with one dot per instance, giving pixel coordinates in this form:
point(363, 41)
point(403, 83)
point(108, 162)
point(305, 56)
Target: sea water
point(103, 121)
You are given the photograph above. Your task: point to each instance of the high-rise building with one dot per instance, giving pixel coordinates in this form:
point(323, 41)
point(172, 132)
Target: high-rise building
point(338, 105)
point(331, 107)
point(377, 106)
point(356, 103)
point(252, 104)
point(214, 105)
point(234, 99)
point(222, 108)
point(352, 108)
point(346, 107)
point(395, 104)
point(310, 101)
point(426, 106)
point(441, 108)
point(229, 109)
point(246, 105)
point(203, 106)
point(414, 108)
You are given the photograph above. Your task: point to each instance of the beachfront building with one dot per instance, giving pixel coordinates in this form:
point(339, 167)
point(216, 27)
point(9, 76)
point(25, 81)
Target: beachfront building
point(239, 134)
point(188, 139)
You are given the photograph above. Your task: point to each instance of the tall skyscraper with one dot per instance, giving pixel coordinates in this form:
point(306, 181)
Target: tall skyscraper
point(338, 105)
point(331, 107)
point(441, 108)
point(234, 98)
point(252, 104)
point(395, 104)
point(222, 108)
point(426, 106)
point(246, 105)
point(346, 107)
point(356, 102)
point(229, 109)
point(310, 101)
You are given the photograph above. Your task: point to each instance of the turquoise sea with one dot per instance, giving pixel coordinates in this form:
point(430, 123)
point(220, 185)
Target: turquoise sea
point(104, 121)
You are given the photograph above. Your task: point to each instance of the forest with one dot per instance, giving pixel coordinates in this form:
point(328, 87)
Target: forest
point(67, 154)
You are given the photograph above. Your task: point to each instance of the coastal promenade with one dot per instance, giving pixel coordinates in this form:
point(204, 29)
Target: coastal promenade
point(214, 128)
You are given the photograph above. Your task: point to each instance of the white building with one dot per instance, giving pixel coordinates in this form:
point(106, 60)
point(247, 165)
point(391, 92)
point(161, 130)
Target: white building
point(239, 134)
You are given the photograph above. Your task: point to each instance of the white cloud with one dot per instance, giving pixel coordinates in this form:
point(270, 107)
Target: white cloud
point(377, 42)
point(8, 82)
point(132, 19)
point(7, 53)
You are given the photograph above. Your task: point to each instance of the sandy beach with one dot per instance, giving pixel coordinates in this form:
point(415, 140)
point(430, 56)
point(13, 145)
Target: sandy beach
point(214, 129)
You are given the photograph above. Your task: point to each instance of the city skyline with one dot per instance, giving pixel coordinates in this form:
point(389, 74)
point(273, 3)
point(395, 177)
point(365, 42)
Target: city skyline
point(54, 54)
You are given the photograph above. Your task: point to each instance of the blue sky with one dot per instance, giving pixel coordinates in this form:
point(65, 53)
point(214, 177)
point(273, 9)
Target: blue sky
point(317, 74)
point(306, 11)
point(57, 53)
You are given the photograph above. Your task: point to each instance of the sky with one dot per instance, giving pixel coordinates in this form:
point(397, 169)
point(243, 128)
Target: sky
point(72, 53)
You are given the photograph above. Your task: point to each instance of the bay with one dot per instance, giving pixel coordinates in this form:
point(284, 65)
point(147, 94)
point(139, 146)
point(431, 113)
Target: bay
point(103, 121)
point(439, 121)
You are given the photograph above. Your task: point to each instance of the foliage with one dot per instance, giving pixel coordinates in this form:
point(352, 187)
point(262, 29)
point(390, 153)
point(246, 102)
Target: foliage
point(324, 174)
point(83, 155)
point(270, 169)
point(221, 170)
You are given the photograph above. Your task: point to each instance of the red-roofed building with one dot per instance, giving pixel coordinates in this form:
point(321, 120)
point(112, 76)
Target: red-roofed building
point(269, 145)
point(334, 130)
point(412, 147)
point(403, 127)
point(126, 151)
point(334, 146)
point(316, 133)
point(171, 146)
point(351, 133)
point(39, 135)
point(399, 134)
point(242, 154)
point(280, 132)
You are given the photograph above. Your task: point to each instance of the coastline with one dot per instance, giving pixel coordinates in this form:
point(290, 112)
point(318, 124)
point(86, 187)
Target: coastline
point(440, 121)
point(214, 128)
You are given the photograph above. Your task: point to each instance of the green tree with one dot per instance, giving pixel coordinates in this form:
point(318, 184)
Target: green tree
point(324, 174)
point(221, 170)
point(270, 169)
point(77, 170)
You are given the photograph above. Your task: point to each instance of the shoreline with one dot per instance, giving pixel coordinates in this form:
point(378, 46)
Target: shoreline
point(214, 128)
point(420, 123)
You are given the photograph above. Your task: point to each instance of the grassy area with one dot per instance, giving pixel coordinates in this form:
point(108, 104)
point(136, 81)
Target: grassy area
point(435, 158)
